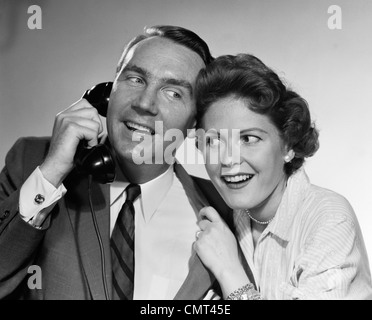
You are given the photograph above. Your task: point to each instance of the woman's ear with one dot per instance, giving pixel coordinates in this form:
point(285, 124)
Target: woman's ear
point(289, 156)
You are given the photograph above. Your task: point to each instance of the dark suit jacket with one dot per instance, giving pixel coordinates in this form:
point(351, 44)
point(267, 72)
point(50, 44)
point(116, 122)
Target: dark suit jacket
point(66, 248)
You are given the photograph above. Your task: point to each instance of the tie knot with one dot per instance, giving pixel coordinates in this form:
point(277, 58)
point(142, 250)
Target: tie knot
point(133, 191)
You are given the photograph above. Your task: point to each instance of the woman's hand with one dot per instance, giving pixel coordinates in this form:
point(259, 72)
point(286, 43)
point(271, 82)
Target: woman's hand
point(217, 248)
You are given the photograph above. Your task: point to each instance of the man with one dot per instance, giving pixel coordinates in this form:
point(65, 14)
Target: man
point(45, 218)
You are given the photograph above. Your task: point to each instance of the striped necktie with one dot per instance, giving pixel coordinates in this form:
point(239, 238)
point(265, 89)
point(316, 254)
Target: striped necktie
point(122, 248)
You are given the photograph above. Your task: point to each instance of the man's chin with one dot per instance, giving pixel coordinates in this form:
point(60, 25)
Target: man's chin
point(146, 152)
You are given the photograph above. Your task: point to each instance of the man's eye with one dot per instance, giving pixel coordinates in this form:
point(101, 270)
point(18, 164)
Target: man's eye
point(247, 139)
point(135, 80)
point(173, 94)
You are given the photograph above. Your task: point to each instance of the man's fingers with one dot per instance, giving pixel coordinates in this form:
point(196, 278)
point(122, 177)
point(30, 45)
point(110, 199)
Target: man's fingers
point(82, 109)
point(85, 123)
point(80, 104)
point(81, 129)
point(87, 130)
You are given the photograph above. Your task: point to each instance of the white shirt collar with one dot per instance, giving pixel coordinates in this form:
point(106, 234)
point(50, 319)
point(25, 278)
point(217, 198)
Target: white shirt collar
point(152, 192)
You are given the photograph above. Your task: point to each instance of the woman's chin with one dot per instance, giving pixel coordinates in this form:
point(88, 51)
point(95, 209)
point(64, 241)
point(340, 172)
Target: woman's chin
point(236, 202)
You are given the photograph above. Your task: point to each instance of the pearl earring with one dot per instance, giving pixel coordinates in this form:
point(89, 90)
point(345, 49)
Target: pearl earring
point(287, 158)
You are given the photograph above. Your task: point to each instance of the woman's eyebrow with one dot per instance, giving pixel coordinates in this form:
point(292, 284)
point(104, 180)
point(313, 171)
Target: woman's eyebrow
point(241, 131)
point(249, 130)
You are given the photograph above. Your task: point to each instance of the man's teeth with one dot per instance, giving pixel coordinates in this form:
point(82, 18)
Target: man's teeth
point(239, 178)
point(135, 126)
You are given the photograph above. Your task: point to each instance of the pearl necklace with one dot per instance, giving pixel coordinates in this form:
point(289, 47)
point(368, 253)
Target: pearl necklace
point(257, 221)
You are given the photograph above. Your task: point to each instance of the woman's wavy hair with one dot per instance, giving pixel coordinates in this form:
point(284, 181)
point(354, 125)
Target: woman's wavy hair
point(245, 76)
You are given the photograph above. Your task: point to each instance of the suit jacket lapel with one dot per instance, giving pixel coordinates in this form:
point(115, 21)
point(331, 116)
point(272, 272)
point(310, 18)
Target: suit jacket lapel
point(199, 280)
point(80, 214)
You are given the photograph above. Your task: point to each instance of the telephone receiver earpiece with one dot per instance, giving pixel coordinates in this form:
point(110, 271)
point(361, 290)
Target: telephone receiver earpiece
point(99, 96)
point(98, 160)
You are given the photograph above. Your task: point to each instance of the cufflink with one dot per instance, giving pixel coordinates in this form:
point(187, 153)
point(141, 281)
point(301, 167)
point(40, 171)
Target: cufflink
point(39, 199)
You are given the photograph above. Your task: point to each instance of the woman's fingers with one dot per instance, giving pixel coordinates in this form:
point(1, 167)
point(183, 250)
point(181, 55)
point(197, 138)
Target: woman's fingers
point(210, 214)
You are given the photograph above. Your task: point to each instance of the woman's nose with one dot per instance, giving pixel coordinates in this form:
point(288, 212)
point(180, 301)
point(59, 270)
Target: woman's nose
point(230, 151)
point(230, 155)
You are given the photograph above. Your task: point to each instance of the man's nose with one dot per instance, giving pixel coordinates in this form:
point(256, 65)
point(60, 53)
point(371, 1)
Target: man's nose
point(147, 101)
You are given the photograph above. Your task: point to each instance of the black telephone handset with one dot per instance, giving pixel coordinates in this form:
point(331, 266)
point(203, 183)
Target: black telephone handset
point(97, 161)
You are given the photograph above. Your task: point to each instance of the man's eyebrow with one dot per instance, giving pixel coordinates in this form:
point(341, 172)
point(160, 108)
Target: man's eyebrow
point(171, 81)
point(134, 68)
point(181, 83)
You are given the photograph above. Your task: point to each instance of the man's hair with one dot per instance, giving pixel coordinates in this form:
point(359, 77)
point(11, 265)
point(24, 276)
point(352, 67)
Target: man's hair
point(176, 34)
point(246, 77)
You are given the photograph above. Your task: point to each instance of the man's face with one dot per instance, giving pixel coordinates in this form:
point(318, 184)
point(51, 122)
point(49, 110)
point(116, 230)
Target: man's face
point(155, 84)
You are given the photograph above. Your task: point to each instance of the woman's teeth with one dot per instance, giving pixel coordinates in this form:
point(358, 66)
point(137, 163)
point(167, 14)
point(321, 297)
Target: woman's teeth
point(238, 178)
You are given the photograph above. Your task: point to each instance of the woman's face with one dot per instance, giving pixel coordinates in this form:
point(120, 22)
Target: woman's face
point(254, 178)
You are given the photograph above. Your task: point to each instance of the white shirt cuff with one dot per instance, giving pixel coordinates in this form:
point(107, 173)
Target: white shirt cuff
point(37, 195)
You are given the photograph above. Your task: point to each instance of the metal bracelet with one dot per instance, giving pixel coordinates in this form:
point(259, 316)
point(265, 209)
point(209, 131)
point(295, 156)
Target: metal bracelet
point(247, 292)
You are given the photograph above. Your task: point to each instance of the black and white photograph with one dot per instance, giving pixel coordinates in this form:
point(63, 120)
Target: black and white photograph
point(204, 150)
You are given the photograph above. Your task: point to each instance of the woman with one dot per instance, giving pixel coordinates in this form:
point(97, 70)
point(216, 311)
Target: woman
point(299, 240)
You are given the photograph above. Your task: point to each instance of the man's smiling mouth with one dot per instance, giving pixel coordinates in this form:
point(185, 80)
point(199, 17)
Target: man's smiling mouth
point(139, 128)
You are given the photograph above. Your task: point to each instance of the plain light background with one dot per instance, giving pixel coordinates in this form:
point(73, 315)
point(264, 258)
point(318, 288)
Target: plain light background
point(44, 71)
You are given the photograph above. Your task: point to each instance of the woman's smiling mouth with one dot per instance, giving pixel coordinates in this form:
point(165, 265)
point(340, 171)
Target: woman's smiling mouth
point(237, 181)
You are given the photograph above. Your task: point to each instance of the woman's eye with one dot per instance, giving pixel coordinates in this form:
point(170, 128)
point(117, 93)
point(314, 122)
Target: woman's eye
point(213, 142)
point(249, 139)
